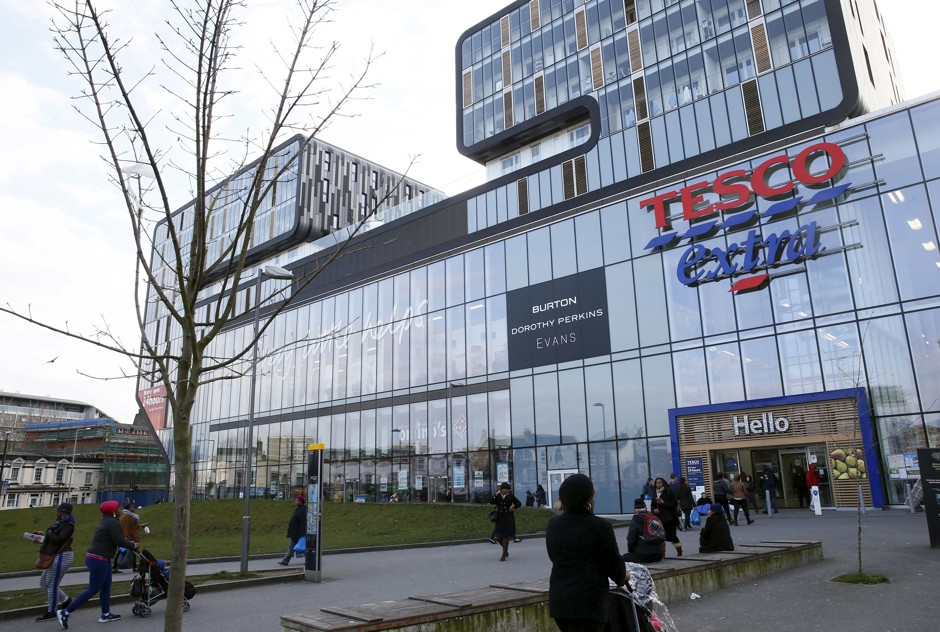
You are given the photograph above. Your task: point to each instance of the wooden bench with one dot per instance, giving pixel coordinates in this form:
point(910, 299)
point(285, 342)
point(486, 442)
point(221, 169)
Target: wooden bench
point(524, 607)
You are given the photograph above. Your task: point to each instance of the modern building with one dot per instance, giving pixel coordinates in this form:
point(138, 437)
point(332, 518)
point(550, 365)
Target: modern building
point(709, 243)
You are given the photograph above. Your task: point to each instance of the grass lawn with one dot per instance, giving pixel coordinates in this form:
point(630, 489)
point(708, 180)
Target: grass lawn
point(215, 527)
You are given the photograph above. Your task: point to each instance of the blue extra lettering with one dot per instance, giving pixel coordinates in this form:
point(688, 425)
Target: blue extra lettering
point(752, 253)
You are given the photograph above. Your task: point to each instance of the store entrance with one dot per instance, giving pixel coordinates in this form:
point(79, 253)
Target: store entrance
point(438, 489)
point(789, 466)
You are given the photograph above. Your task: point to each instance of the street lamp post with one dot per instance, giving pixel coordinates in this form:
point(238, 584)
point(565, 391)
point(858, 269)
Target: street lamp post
point(272, 272)
point(603, 416)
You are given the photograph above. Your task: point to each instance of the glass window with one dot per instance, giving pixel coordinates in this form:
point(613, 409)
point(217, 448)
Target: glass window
point(925, 119)
point(473, 261)
point(799, 361)
point(621, 305)
point(563, 251)
point(497, 343)
point(871, 273)
point(888, 364)
point(547, 421)
point(651, 311)
point(913, 240)
point(436, 284)
point(724, 373)
point(522, 406)
point(892, 138)
point(761, 368)
point(806, 84)
point(455, 280)
point(456, 343)
point(517, 263)
point(437, 426)
point(791, 298)
point(923, 330)
point(571, 396)
point(658, 393)
point(786, 88)
point(827, 80)
point(689, 374)
point(539, 255)
point(495, 266)
point(588, 235)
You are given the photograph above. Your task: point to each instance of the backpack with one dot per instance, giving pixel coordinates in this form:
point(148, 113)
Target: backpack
point(653, 530)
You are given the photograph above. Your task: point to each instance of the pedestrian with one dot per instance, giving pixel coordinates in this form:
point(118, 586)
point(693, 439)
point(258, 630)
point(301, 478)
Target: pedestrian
point(751, 492)
point(58, 542)
point(739, 499)
point(104, 543)
point(296, 527)
point(666, 506)
point(720, 490)
point(799, 484)
point(769, 484)
point(686, 502)
point(585, 557)
point(812, 480)
point(130, 528)
point(540, 496)
point(649, 488)
point(504, 528)
point(529, 498)
point(716, 534)
point(639, 548)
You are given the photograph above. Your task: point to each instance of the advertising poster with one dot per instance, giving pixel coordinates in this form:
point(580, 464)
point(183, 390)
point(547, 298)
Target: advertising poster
point(502, 472)
point(558, 321)
point(694, 475)
point(929, 461)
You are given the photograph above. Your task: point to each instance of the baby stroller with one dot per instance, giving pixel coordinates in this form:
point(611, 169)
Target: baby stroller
point(636, 607)
point(151, 583)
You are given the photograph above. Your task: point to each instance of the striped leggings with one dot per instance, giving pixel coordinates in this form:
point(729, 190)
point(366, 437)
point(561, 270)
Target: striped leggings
point(50, 578)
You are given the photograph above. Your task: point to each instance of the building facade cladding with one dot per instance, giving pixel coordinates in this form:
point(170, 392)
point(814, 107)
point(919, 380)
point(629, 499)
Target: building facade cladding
point(673, 82)
point(335, 190)
point(477, 359)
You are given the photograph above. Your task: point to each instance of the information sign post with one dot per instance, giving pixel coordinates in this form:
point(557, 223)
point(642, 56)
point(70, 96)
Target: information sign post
point(312, 555)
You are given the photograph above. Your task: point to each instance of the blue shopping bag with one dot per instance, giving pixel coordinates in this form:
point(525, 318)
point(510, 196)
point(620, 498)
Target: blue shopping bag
point(300, 547)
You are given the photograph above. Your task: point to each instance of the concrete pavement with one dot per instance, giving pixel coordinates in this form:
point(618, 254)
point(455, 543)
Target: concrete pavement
point(895, 543)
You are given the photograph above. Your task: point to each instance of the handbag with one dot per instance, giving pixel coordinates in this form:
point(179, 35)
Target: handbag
point(125, 559)
point(493, 516)
point(44, 560)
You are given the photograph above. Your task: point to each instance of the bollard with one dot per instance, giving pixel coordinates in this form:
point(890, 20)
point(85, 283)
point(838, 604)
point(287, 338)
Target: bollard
point(910, 498)
point(861, 499)
point(767, 504)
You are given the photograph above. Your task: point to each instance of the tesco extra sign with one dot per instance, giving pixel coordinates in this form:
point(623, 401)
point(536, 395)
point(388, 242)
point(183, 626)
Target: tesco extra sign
point(756, 252)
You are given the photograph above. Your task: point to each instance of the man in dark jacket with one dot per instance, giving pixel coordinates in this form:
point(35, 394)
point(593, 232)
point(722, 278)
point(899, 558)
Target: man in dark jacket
point(296, 528)
point(638, 548)
point(584, 554)
point(768, 483)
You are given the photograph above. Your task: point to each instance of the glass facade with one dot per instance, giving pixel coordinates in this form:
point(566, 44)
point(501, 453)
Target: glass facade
point(407, 379)
point(564, 343)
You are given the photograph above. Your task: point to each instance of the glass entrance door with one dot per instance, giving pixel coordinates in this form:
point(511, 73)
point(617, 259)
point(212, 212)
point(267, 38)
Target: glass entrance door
point(555, 479)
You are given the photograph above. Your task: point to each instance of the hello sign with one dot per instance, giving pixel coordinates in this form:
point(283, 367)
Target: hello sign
point(736, 189)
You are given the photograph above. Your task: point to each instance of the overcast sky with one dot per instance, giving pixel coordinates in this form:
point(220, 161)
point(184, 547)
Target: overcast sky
point(65, 246)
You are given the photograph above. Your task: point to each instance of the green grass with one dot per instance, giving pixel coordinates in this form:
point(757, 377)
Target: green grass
point(861, 578)
point(215, 527)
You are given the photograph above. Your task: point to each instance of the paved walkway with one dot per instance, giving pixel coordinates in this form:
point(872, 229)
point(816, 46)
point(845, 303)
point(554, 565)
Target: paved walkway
point(895, 543)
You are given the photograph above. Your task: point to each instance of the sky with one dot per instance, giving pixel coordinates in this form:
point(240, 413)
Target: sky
point(66, 252)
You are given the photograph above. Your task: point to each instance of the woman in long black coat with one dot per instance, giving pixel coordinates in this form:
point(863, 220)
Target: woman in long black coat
point(504, 528)
point(716, 534)
point(666, 506)
point(584, 555)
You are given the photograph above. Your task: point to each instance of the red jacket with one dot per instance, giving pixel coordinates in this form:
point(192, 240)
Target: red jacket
point(812, 476)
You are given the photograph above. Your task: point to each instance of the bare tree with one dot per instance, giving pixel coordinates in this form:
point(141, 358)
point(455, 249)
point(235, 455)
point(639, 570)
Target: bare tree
point(175, 260)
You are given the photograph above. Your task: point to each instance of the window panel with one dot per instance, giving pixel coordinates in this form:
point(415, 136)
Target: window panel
point(799, 362)
point(571, 396)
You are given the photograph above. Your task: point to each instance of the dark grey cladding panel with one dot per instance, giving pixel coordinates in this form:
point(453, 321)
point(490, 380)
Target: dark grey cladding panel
point(380, 251)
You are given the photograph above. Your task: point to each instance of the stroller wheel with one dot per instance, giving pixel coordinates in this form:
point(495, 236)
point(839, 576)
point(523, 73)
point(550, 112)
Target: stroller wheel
point(136, 610)
point(144, 612)
point(185, 606)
